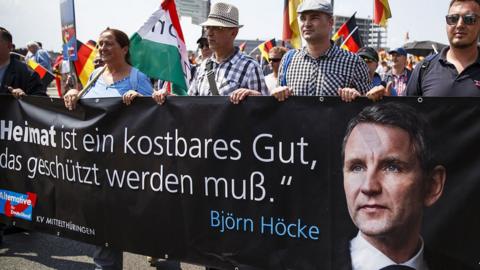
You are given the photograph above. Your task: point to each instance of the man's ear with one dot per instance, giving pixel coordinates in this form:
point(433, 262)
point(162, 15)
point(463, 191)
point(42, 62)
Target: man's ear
point(235, 32)
point(434, 185)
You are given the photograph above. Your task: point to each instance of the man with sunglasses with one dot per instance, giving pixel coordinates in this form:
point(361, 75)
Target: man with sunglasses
point(455, 71)
point(378, 88)
point(228, 72)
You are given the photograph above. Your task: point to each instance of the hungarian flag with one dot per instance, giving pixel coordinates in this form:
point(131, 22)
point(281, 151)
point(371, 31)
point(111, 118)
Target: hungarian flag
point(291, 30)
point(381, 12)
point(265, 48)
point(84, 64)
point(158, 48)
point(350, 35)
point(45, 75)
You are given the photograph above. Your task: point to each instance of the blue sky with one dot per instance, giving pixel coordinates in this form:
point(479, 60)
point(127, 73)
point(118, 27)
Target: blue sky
point(40, 19)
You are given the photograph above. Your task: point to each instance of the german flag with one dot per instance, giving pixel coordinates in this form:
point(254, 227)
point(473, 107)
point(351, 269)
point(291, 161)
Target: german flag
point(381, 12)
point(266, 46)
point(84, 64)
point(45, 75)
point(291, 30)
point(351, 37)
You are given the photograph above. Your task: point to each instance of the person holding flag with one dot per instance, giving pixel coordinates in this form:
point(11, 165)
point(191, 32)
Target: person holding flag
point(117, 78)
point(228, 72)
point(320, 68)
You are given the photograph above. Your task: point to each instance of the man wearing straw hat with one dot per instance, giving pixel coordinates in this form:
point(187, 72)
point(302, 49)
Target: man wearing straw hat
point(320, 68)
point(228, 72)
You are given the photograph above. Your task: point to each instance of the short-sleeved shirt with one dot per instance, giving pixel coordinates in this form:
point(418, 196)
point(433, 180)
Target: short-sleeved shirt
point(442, 79)
point(323, 76)
point(100, 89)
point(238, 71)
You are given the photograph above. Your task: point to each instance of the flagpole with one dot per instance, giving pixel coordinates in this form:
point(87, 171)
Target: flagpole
point(348, 37)
point(17, 54)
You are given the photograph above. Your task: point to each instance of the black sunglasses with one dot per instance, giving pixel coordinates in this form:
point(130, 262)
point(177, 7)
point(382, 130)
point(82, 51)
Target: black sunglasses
point(469, 19)
point(367, 60)
point(275, 60)
point(201, 46)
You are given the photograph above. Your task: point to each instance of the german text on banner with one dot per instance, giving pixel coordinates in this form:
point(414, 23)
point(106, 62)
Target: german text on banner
point(256, 185)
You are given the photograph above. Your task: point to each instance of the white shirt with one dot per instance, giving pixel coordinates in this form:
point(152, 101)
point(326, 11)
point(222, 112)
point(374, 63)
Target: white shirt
point(367, 257)
point(271, 82)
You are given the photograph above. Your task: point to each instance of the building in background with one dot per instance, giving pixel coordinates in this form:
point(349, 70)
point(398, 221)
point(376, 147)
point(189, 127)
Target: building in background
point(196, 9)
point(372, 35)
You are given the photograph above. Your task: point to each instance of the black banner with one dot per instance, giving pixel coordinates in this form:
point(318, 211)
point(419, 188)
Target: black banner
point(201, 180)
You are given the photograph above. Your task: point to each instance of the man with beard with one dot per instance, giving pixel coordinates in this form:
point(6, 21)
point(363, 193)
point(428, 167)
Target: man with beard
point(455, 71)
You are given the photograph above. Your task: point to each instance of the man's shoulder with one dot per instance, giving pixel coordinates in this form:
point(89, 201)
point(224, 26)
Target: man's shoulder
point(18, 66)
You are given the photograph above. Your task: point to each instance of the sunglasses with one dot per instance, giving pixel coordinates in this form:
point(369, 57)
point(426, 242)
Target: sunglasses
point(469, 19)
point(367, 60)
point(275, 60)
point(201, 46)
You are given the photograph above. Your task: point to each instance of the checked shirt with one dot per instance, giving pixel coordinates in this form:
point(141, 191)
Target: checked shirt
point(238, 71)
point(323, 76)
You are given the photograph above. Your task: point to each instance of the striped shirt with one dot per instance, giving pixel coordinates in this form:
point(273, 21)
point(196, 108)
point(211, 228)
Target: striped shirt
point(323, 76)
point(238, 71)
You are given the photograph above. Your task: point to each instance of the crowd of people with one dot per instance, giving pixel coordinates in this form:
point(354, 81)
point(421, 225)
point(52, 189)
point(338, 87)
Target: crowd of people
point(320, 68)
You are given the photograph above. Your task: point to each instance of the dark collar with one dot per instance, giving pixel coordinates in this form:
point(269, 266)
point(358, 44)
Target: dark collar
point(443, 55)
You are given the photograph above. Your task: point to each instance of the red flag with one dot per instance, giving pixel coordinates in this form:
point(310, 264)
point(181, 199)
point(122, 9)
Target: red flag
point(291, 31)
point(381, 12)
point(349, 32)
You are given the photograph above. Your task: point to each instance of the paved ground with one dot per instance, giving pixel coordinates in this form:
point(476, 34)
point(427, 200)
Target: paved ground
point(24, 251)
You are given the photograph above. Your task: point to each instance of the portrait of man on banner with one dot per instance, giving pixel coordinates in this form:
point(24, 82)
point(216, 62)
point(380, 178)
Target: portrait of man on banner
point(390, 175)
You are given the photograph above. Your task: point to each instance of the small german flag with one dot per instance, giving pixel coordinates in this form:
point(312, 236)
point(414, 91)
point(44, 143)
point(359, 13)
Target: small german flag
point(45, 75)
point(265, 48)
point(84, 64)
point(351, 37)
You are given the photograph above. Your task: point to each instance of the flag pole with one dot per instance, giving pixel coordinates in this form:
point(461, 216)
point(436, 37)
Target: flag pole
point(349, 36)
point(17, 54)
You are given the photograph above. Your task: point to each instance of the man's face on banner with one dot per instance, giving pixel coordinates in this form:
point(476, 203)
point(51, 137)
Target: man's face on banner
point(382, 180)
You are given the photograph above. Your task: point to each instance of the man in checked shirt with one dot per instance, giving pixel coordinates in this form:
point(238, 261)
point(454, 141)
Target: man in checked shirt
point(232, 73)
point(321, 68)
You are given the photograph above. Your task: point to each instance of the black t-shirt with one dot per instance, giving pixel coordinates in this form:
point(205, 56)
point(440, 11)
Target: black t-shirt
point(442, 79)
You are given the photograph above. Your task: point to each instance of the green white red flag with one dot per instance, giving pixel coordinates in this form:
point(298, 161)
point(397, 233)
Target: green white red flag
point(158, 48)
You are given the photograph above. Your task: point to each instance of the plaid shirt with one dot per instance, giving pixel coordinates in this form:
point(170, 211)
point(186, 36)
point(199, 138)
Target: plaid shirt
point(238, 71)
point(399, 82)
point(323, 76)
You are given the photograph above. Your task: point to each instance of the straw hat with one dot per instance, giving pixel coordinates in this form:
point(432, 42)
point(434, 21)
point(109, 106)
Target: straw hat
point(224, 15)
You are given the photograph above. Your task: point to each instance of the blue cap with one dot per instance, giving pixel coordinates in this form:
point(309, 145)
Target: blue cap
point(400, 51)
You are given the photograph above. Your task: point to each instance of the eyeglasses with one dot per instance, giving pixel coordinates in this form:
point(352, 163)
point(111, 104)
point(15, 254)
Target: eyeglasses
point(469, 19)
point(201, 46)
point(275, 60)
point(367, 60)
